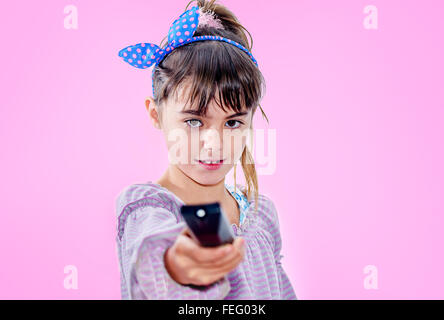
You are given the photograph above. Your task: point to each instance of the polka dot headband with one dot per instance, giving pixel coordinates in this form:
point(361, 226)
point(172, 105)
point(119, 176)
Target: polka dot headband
point(145, 55)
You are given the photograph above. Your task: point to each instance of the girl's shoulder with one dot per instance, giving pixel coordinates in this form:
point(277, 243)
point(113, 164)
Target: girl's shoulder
point(146, 194)
point(264, 200)
point(266, 207)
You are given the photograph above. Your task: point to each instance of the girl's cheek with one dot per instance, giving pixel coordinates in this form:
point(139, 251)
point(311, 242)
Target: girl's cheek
point(179, 148)
point(232, 152)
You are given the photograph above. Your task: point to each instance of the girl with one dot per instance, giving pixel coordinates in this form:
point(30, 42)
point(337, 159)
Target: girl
point(206, 84)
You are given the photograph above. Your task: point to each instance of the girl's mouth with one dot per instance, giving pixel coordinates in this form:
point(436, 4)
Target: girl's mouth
point(213, 165)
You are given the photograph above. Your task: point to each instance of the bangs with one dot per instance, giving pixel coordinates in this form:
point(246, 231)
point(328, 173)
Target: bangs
point(203, 71)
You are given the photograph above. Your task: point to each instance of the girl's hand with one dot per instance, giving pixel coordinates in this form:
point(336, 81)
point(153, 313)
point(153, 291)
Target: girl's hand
point(188, 262)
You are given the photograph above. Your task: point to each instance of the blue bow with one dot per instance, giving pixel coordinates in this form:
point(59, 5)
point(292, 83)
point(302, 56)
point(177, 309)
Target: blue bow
point(144, 55)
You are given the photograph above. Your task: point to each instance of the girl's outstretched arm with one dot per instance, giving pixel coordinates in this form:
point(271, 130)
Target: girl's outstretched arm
point(149, 230)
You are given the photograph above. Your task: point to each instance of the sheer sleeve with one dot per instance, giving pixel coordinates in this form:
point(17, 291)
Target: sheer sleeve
point(148, 231)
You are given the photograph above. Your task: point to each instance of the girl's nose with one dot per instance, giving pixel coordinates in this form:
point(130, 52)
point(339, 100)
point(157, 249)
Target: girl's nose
point(211, 139)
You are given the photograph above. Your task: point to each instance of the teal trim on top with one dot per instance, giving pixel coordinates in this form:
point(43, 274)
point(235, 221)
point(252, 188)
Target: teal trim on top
point(241, 201)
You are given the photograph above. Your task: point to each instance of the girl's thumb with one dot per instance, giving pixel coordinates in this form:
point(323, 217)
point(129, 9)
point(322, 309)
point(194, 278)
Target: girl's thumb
point(240, 242)
point(186, 232)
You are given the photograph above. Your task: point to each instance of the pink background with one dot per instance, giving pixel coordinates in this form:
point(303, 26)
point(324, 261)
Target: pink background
point(359, 121)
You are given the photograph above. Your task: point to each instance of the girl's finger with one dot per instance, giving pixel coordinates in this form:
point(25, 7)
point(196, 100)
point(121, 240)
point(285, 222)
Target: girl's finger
point(207, 276)
point(224, 259)
point(186, 232)
point(202, 254)
point(225, 268)
point(236, 250)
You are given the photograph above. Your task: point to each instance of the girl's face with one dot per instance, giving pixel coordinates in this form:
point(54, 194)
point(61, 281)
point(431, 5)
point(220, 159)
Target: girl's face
point(190, 137)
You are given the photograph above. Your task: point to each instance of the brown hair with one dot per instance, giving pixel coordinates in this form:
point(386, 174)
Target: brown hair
point(211, 66)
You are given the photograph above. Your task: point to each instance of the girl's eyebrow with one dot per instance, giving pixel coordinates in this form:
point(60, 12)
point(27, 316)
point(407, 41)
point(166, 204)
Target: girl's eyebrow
point(197, 113)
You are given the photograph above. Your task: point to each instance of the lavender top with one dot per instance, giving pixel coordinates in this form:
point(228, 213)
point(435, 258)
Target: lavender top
point(148, 222)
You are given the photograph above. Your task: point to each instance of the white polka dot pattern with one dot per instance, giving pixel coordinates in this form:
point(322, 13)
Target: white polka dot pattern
point(145, 55)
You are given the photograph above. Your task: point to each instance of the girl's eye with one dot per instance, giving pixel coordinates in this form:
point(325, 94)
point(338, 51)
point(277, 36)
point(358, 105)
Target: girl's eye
point(191, 124)
point(238, 124)
point(194, 123)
